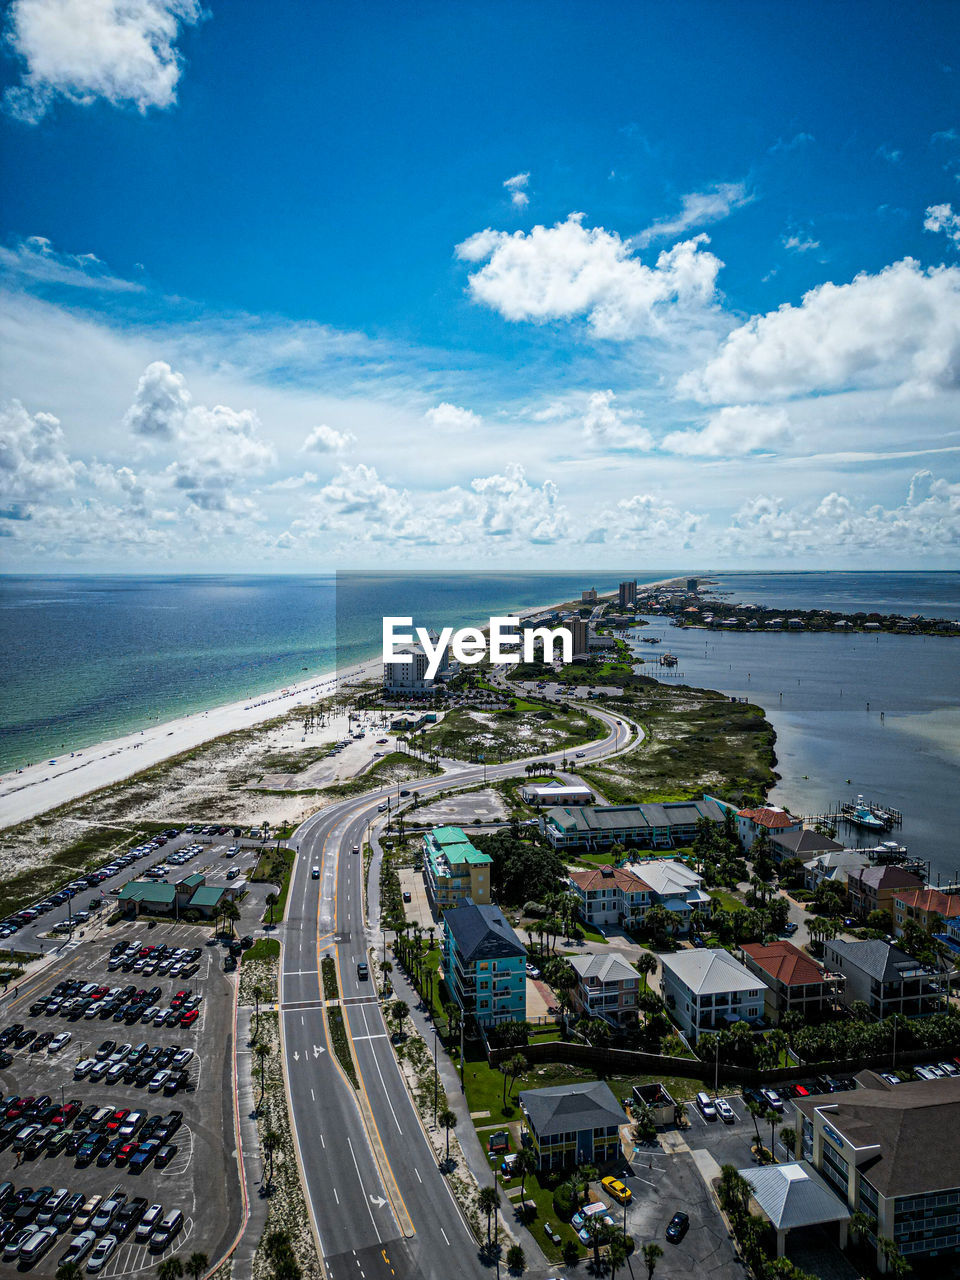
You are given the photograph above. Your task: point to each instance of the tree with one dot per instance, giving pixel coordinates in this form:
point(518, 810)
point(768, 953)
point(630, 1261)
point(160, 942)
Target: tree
point(512, 1069)
point(170, 1268)
point(69, 1271)
point(527, 1162)
point(197, 1264)
point(733, 1192)
point(271, 1140)
point(262, 1050)
point(894, 1262)
point(617, 1253)
point(448, 1119)
point(516, 1260)
point(231, 914)
point(658, 923)
point(399, 1011)
point(599, 1233)
point(489, 1202)
point(257, 997)
point(646, 964)
point(788, 1137)
point(271, 901)
point(652, 1252)
point(862, 1225)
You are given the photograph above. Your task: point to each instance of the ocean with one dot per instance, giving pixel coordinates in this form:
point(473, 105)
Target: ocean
point(83, 659)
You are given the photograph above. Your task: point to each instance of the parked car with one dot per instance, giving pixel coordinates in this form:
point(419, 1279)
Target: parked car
point(724, 1110)
point(677, 1227)
point(102, 1254)
point(705, 1106)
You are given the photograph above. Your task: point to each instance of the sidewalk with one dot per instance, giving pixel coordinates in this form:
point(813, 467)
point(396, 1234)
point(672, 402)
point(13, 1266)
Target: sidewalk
point(249, 1140)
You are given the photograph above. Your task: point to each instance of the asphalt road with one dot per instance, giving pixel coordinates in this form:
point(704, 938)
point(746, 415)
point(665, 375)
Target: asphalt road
point(380, 1206)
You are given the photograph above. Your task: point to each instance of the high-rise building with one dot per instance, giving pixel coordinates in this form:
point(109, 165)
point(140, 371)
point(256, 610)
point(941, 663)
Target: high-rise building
point(580, 634)
point(627, 594)
point(692, 584)
point(589, 596)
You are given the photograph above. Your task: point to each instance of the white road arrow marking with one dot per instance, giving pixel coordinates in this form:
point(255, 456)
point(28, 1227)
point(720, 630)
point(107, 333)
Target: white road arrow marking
point(378, 1201)
point(318, 1049)
point(296, 1057)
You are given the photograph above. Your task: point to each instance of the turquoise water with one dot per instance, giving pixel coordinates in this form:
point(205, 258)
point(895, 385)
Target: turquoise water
point(88, 658)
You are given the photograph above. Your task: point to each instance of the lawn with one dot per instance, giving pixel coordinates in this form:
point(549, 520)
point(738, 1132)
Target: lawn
point(275, 866)
point(726, 900)
point(262, 949)
point(542, 1195)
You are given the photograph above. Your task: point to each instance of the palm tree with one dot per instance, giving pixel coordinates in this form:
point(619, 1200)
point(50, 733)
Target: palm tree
point(617, 1254)
point(69, 1271)
point(489, 1202)
point(271, 901)
point(170, 1269)
point(734, 1191)
point(257, 997)
point(231, 914)
point(646, 964)
point(197, 1264)
point(448, 1119)
point(516, 1259)
point(527, 1162)
point(262, 1051)
point(599, 1233)
point(651, 1254)
point(271, 1140)
point(514, 1067)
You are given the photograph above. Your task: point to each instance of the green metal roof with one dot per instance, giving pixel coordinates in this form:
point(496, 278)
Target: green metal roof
point(208, 895)
point(196, 879)
point(148, 891)
point(449, 835)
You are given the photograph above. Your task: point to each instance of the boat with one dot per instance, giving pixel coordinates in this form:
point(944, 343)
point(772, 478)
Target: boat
point(861, 815)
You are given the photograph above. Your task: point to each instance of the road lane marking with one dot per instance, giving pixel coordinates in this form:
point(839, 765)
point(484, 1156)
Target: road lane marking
point(444, 1234)
point(362, 1188)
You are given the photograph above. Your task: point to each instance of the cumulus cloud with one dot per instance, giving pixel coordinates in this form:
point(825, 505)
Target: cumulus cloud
point(33, 457)
point(899, 328)
point(160, 405)
point(517, 186)
point(608, 427)
point(325, 439)
point(654, 519)
point(737, 429)
point(36, 259)
point(941, 217)
point(698, 208)
point(567, 270)
point(123, 51)
point(450, 417)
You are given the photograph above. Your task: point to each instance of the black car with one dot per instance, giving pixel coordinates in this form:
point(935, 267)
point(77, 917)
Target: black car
point(117, 949)
point(38, 1006)
point(75, 1142)
point(164, 1155)
point(677, 1227)
point(179, 1080)
point(24, 1038)
point(5, 1058)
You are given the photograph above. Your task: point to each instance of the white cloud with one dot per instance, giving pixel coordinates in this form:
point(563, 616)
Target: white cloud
point(160, 405)
point(324, 439)
point(517, 186)
point(733, 431)
point(120, 50)
point(945, 135)
point(450, 417)
point(608, 427)
point(799, 243)
point(792, 144)
point(295, 482)
point(891, 154)
point(899, 328)
point(696, 209)
point(941, 217)
point(36, 259)
point(33, 456)
point(565, 271)
point(655, 520)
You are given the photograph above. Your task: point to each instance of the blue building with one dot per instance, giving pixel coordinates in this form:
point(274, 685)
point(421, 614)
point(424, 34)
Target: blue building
point(484, 963)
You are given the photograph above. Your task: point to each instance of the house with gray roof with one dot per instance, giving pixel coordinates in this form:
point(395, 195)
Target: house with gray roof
point(802, 844)
point(573, 1124)
point(885, 978)
point(484, 963)
point(607, 987)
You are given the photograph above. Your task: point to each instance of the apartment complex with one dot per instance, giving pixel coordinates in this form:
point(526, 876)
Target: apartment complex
point(890, 1153)
point(708, 990)
point(453, 870)
point(885, 978)
point(408, 673)
point(624, 895)
point(874, 888)
point(929, 908)
point(573, 1124)
point(649, 826)
point(484, 963)
point(607, 987)
point(626, 594)
point(794, 982)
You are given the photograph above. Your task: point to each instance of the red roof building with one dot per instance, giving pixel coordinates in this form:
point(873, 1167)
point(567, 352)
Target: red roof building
point(750, 822)
point(929, 908)
point(795, 982)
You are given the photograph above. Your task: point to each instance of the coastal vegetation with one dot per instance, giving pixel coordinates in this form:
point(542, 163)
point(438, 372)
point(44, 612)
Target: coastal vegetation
point(516, 731)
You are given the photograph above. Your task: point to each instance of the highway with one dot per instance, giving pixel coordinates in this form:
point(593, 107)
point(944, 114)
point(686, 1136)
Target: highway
point(380, 1206)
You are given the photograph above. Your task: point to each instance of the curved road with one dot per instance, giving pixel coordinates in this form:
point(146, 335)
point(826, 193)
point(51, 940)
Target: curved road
point(380, 1206)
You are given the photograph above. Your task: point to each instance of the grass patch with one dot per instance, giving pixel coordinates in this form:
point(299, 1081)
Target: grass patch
point(328, 970)
point(275, 866)
point(464, 734)
point(396, 766)
point(262, 949)
point(727, 900)
point(338, 1036)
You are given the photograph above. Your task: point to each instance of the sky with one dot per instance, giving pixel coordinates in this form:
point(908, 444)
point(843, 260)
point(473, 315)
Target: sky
point(293, 287)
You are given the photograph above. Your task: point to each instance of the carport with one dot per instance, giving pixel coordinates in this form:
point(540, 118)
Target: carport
point(793, 1196)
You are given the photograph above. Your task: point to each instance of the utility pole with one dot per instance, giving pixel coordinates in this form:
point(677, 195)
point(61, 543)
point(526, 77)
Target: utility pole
point(436, 1075)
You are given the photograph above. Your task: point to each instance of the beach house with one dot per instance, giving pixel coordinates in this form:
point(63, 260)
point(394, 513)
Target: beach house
point(573, 1124)
point(885, 978)
point(453, 870)
point(607, 987)
point(709, 990)
point(794, 982)
point(484, 963)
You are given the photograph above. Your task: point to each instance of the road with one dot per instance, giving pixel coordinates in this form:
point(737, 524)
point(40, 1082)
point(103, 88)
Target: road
point(380, 1206)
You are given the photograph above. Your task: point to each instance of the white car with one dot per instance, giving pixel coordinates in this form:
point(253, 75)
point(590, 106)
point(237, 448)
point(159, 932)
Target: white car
point(83, 1068)
point(59, 1042)
point(724, 1110)
point(102, 1254)
point(773, 1099)
point(158, 1081)
point(79, 1247)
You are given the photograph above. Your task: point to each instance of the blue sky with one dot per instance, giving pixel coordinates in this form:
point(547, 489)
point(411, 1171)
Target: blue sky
point(293, 286)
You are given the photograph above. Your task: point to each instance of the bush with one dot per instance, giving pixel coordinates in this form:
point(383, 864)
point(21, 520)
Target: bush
point(564, 1201)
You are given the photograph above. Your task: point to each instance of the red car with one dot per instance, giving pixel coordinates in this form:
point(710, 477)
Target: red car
point(180, 997)
point(66, 1114)
point(189, 1018)
point(117, 1119)
point(126, 1151)
point(17, 1110)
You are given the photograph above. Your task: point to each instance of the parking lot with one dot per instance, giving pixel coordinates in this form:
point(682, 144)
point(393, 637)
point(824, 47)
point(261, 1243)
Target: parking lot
point(199, 1176)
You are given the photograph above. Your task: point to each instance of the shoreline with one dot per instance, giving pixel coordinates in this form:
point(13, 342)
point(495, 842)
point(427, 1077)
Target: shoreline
point(37, 788)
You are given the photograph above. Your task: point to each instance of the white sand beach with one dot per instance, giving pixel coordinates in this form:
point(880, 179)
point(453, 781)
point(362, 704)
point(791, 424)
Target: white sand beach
point(40, 787)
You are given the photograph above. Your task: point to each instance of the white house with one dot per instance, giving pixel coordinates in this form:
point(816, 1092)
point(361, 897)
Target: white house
point(673, 886)
point(708, 990)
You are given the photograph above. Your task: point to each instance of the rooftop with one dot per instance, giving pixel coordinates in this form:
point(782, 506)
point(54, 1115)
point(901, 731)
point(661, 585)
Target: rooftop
point(482, 933)
point(805, 843)
point(618, 816)
point(566, 1108)
point(603, 968)
point(608, 877)
point(944, 904)
point(785, 962)
point(772, 819)
point(667, 878)
point(887, 877)
point(710, 971)
point(794, 1195)
point(876, 958)
point(152, 891)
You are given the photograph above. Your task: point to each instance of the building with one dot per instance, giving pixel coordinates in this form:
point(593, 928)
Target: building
point(885, 978)
point(750, 822)
point(835, 868)
point(589, 596)
point(708, 990)
point(795, 983)
point(649, 826)
point(411, 676)
point(951, 935)
point(803, 844)
point(158, 898)
point(610, 895)
point(675, 887)
point(793, 1197)
point(485, 964)
point(607, 987)
point(579, 629)
point(886, 1151)
point(874, 888)
point(692, 585)
point(626, 594)
point(929, 908)
point(554, 793)
point(453, 870)
point(573, 1124)
point(410, 721)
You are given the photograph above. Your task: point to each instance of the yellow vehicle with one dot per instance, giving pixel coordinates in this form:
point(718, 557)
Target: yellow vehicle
point(617, 1189)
